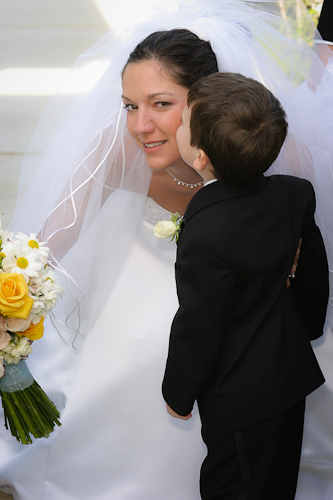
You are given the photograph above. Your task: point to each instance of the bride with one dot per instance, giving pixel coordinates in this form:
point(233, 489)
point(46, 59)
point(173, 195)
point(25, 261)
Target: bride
point(110, 171)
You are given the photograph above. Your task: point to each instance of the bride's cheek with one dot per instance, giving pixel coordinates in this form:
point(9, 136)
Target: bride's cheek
point(130, 125)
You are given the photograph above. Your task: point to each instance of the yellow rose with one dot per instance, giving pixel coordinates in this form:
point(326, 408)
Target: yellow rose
point(14, 299)
point(34, 332)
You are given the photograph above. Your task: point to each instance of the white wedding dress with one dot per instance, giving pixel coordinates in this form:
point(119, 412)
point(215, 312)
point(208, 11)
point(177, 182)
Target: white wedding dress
point(315, 480)
point(117, 441)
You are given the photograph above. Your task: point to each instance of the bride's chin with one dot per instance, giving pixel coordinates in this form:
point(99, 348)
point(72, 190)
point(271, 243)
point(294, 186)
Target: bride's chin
point(157, 169)
point(158, 165)
point(176, 164)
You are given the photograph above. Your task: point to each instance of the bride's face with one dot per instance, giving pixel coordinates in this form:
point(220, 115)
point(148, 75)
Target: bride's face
point(154, 104)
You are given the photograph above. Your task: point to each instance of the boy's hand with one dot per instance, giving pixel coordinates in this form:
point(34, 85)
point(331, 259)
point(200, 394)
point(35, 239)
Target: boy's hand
point(293, 269)
point(175, 415)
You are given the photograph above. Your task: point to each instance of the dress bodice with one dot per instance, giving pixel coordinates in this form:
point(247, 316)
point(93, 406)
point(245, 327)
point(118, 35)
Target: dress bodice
point(154, 213)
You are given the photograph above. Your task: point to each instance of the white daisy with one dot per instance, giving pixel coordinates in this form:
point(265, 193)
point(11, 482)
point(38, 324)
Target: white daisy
point(33, 242)
point(20, 260)
point(50, 284)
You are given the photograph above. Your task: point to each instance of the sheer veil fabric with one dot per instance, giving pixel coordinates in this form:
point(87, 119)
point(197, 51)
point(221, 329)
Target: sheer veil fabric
point(85, 194)
point(93, 161)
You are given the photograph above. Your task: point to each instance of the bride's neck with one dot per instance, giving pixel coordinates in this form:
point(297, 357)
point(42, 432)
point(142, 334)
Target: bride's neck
point(171, 195)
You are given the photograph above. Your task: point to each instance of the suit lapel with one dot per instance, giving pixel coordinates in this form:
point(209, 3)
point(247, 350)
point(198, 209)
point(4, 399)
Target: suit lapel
point(218, 191)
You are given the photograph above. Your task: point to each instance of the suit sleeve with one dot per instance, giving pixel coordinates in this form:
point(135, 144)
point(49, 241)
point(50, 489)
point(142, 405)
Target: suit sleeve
point(310, 288)
point(205, 283)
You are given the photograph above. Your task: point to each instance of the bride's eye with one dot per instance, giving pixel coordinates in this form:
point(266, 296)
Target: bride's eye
point(162, 104)
point(130, 107)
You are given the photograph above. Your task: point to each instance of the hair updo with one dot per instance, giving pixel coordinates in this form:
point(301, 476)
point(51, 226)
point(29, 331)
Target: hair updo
point(182, 53)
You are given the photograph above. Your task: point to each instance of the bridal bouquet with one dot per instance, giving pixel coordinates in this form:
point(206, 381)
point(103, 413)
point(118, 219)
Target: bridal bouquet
point(29, 289)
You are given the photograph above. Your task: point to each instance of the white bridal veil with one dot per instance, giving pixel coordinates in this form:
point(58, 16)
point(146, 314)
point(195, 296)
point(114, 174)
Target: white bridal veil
point(86, 192)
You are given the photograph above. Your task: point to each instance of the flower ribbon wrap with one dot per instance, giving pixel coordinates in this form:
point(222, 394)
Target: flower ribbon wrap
point(18, 377)
point(27, 409)
point(28, 291)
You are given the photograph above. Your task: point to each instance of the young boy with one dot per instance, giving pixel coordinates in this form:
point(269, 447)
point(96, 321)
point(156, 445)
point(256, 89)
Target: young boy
point(239, 342)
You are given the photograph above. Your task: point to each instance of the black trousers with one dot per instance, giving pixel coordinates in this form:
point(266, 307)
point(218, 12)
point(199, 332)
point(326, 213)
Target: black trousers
point(260, 462)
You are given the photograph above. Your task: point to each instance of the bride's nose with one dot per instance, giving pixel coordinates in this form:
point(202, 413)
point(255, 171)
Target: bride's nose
point(143, 122)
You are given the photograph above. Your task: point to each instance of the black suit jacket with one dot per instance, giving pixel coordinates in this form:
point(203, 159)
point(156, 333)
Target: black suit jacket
point(325, 21)
point(239, 342)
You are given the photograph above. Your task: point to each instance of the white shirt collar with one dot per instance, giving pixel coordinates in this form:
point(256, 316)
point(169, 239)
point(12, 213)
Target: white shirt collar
point(210, 182)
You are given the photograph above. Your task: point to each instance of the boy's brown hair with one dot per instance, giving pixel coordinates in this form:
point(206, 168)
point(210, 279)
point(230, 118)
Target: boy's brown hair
point(238, 123)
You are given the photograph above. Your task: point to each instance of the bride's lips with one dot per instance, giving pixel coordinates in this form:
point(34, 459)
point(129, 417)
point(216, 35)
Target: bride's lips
point(152, 146)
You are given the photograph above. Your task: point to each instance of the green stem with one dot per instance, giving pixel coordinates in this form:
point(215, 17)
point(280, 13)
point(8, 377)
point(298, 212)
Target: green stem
point(29, 411)
point(47, 406)
point(25, 415)
point(10, 410)
point(43, 426)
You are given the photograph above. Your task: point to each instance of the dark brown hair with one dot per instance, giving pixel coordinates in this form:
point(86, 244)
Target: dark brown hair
point(182, 53)
point(238, 123)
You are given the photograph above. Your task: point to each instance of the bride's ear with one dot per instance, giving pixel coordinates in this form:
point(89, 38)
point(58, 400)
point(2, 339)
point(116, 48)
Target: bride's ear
point(201, 160)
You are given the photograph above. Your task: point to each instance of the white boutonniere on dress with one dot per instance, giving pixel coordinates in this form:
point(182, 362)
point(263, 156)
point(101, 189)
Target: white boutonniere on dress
point(29, 289)
point(169, 228)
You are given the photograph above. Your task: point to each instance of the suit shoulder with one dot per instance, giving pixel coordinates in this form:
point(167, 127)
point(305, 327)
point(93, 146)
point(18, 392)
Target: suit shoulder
point(295, 183)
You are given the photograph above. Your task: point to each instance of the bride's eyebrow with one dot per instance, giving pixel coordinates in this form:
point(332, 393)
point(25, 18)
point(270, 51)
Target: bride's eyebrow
point(152, 96)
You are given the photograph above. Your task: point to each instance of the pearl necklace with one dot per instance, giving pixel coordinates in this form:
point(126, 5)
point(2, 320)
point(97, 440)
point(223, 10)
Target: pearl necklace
point(186, 184)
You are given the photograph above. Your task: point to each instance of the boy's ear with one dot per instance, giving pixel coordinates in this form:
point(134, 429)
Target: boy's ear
point(201, 160)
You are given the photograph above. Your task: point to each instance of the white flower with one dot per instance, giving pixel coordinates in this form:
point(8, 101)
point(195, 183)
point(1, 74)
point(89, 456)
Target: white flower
point(2, 368)
point(32, 242)
point(45, 291)
point(50, 286)
point(37, 309)
point(21, 261)
point(35, 286)
point(169, 228)
point(2, 241)
point(165, 229)
point(22, 348)
point(5, 236)
point(18, 348)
